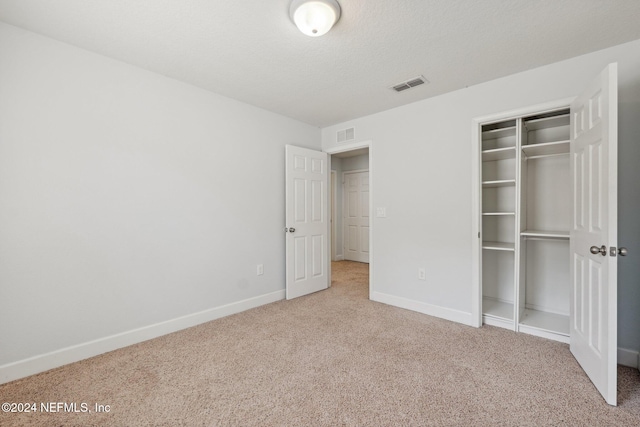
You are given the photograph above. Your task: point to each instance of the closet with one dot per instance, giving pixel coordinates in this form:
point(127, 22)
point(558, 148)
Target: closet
point(525, 224)
point(545, 219)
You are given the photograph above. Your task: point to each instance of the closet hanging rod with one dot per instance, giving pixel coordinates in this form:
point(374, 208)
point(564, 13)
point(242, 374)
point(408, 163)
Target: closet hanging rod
point(547, 238)
point(542, 156)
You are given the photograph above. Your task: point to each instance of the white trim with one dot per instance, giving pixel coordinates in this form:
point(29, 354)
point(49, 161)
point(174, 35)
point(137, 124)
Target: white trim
point(476, 216)
point(334, 199)
point(44, 362)
point(500, 323)
point(530, 330)
point(371, 220)
point(350, 147)
point(476, 226)
point(339, 257)
point(533, 109)
point(630, 358)
point(329, 225)
point(422, 307)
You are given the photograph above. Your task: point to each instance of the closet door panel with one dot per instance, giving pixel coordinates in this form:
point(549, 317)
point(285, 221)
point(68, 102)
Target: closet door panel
point(594, 158)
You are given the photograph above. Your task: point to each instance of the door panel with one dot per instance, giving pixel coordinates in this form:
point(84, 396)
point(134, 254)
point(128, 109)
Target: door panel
point(318, 255)
point(352, 235)
point(364, 238)
point(300, 244)
point(594, 276)
point(306, 179)
point(300, 197)
point(317, 202)
point(579, 294)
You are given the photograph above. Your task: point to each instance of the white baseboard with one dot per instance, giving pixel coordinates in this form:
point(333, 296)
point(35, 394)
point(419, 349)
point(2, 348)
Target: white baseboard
point(64, 356)
point(339, 257)
point(54, 359)
point(421, 307)
point(629, 358)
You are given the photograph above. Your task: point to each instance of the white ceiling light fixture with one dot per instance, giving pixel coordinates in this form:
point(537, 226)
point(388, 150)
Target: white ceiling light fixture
point(314, 17)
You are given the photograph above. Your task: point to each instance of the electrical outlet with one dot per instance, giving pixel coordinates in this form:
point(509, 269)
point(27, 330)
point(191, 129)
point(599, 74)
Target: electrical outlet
point(260, 270)
point(422, 274)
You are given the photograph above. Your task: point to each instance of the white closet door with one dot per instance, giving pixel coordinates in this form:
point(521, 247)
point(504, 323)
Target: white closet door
point(594, 294)
point(306, 221)
point(356, 216)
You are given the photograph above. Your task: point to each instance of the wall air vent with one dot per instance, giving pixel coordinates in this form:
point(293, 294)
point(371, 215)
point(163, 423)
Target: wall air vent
point(411, 83)
point(345, 135)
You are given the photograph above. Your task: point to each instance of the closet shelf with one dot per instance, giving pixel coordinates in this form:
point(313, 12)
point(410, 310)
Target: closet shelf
point(499, 133)
point(497, 309)
point(499, 246)
point(547, 122)
point(545, 321)
point(499, 154)
point(545, 234)
point(499, 183)
point(498, 213)
point(545, 149)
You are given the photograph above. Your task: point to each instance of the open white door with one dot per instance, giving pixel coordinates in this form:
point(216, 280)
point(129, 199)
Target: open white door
point(306, 221)
point(594, 284)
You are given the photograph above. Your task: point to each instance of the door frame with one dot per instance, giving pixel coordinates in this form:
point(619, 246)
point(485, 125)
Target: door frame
point(476, 188)
point(332, 210)
point(343, 149)
point(344, 202)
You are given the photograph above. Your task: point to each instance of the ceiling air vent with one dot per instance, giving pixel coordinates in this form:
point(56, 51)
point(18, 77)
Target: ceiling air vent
point(345, 135)
point(409, 84)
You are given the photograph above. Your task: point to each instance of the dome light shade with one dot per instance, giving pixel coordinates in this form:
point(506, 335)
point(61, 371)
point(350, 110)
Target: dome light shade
point(314, 17)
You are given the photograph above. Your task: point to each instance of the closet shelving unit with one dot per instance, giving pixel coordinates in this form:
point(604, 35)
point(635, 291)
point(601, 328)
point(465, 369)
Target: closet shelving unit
point(543, 294)
point(525, 224)
point(499, 182)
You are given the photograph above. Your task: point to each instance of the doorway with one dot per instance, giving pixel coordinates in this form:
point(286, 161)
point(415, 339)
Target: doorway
point(351, 225)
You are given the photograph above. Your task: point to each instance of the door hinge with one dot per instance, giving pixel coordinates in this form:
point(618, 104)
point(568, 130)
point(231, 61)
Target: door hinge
point(478, 234)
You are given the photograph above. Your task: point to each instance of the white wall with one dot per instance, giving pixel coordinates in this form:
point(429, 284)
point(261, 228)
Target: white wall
point(127, 199)
point(422, 162)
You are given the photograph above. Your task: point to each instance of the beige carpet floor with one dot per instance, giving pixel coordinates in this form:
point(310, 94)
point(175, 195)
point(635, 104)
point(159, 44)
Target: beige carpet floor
point(330, 359)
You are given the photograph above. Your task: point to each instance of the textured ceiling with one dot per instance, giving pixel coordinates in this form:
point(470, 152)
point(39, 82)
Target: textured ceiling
point(249, 49)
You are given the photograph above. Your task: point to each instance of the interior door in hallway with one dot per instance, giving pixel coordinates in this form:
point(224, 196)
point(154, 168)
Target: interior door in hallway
point(307, 231)
point(356, 216)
